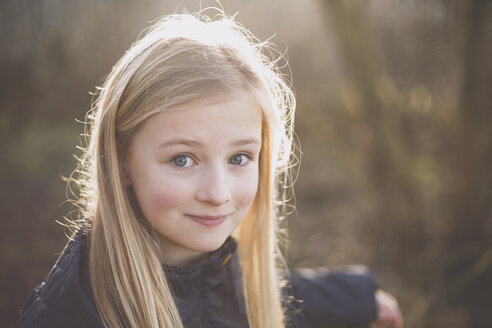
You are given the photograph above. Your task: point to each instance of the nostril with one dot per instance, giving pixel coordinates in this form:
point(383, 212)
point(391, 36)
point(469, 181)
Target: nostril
point(214, 196)
point(215, 189)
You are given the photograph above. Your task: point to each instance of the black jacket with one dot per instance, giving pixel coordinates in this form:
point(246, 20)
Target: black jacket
point(208, 294)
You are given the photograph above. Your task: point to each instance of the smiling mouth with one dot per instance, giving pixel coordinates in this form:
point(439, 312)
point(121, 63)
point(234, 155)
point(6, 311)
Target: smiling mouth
point(208, 221)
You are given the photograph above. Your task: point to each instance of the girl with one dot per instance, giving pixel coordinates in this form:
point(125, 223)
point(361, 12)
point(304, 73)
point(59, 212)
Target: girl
point(190, 141)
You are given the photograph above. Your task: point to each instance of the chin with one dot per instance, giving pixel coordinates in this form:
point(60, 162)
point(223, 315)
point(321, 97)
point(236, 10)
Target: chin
point(209, 244)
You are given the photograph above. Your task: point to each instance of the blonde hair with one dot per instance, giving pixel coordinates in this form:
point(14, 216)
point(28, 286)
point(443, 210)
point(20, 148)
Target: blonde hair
point(180, 59)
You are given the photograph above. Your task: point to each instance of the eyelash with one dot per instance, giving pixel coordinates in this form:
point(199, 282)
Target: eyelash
point(183, 156)
point(248, 156)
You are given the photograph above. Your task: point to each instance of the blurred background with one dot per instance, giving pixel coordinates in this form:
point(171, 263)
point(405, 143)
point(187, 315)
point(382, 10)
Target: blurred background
point(394, 118)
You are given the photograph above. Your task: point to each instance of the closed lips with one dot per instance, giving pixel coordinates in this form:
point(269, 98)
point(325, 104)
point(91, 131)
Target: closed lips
point(209, 217)
point(209, 221)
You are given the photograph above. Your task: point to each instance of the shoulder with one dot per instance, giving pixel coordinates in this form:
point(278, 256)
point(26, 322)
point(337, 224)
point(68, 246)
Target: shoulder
point(61, 299)
point(341, 296)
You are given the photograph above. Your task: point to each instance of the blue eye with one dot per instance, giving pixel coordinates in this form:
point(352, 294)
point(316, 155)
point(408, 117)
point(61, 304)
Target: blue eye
point(239, 159)
point(183, 161)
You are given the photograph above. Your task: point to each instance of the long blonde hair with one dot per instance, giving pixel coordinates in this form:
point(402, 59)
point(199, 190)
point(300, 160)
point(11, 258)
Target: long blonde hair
point(181, 58)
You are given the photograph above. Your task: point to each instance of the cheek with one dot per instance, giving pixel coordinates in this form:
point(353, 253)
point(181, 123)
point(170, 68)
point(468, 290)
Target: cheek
point(247, 192)
point(162, 199)
point(170, 197)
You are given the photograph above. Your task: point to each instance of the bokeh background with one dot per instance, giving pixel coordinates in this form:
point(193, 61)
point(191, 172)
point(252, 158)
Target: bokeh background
point(394, 120)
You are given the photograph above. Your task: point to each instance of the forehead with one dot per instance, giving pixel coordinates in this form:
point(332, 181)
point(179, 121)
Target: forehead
point(236, 115)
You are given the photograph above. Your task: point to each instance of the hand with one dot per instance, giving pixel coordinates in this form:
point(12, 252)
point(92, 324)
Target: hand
point(388, 311)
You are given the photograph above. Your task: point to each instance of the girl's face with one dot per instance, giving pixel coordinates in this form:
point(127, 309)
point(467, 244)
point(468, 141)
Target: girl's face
point(194, 171)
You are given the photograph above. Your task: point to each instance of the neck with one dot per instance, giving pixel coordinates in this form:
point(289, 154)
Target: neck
point(177, 256)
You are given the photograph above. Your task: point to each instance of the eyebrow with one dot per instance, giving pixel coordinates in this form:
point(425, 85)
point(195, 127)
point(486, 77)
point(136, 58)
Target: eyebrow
point(195, 143)
point(244, 142)
point(180, 141)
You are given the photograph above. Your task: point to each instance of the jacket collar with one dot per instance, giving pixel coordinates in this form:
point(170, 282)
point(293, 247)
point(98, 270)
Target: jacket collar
point(208, 270)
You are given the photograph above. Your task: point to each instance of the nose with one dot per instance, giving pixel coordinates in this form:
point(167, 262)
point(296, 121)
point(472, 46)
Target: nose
point(214, 189)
